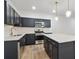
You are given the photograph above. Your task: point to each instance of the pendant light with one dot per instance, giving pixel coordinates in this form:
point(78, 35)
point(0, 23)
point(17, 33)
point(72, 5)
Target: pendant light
point(68, 12)
point(54, 10)
point(56, 17)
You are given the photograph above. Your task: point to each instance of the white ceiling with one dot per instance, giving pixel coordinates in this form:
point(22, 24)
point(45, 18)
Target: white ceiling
point(44, 6)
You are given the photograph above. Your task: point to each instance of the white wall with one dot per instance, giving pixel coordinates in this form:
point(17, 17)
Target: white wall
point(64, 25)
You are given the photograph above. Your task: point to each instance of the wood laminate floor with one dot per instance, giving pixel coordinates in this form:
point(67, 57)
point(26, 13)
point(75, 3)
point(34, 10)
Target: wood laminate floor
point(34, 52)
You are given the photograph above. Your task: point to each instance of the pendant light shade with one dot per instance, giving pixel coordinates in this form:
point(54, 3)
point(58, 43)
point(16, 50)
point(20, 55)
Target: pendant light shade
point(68, 12)
point(56, 17)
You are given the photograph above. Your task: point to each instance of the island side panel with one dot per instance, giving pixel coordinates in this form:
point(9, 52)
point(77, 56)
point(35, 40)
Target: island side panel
point(10, 50)
point(66, 50)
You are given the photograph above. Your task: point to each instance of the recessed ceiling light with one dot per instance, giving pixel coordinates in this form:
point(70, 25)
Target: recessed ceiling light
point(54, 11)
point(33, 8)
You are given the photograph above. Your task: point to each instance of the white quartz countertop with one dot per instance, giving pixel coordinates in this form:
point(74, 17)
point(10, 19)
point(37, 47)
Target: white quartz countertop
point(18, 36)
point(61, 38)
point(12, 38)
point(17, 31)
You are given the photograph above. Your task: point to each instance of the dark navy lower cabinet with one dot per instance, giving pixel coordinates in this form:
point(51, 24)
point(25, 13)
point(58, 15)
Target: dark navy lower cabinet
point(66, 50)
point(23, 41)
point(50, 48)
point(57, 50)
point(39, 37)
point(27, 39)
point(30, 39)
point(10, 50)
point(47, 23)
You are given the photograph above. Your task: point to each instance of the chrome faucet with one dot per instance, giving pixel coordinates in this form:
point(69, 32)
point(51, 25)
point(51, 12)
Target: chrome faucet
point(11, 31)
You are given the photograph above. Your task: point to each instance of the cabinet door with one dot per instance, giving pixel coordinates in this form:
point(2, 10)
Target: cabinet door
point(12, 16)
point(8, 14)
point(47, 23)
point(17, 19)
point(46, 45)
point(5, 12)
point(28, 22)
point(54, 53)
point(30, 39)
point(67, 50)
point(54, 50)
point(50, 50)
point(22, 41)
point(10, 50)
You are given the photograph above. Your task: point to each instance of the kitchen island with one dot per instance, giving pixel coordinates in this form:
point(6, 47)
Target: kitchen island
point(13, 44)
point(59, 46)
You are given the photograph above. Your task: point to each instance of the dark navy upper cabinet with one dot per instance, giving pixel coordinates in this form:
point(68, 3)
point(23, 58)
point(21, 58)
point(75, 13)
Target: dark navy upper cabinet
point(11, 17)
point(17, 21)
point(5, 13)
point(28, 22)
point(47, 23)
point(8, 11)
